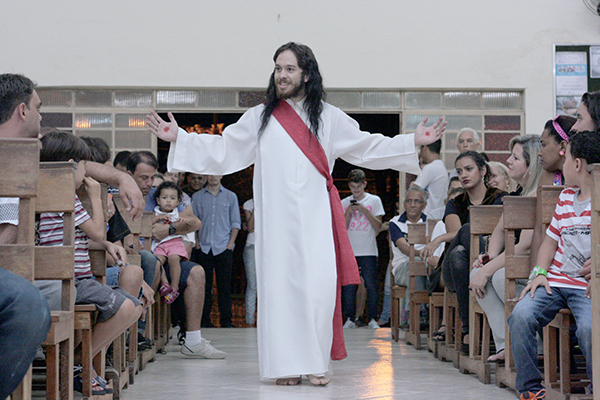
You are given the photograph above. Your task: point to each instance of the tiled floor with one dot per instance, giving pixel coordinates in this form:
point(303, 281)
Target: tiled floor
point(376, 368)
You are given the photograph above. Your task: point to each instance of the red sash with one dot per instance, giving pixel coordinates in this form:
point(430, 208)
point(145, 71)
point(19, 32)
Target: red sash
point(347, 269)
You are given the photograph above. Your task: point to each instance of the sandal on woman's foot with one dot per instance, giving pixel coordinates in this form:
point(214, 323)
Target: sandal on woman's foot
point(497, 358)
point(165, 289)
point(171, 296)
point(440, 334)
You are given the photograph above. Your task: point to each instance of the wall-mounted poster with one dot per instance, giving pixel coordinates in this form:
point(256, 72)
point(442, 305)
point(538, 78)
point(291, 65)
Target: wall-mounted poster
point(571, 80)
point(571, 73)
point(595, 61)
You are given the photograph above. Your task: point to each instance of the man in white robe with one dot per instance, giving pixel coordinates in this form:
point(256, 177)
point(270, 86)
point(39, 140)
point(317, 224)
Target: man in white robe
point(295, 256)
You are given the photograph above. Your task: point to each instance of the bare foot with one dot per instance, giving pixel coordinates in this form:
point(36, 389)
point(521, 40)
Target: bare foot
point(318, 380)
point(497, 357)
point(289, 381)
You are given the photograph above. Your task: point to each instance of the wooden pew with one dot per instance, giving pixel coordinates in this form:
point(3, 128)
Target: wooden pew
point(519, 213)
point(595, 282)
point(417, 234)
point(483, 220)
point(19, 160)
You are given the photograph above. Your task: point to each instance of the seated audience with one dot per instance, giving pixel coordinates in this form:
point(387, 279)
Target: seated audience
point(117, 309)
point(121, 159)
point(467, 139)
point(556, 281)
point(487, 280)
point(473, 173)
point(142, 166)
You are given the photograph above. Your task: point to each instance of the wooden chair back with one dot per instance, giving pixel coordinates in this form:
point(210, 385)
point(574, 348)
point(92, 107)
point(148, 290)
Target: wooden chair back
point(483, 220)
point(19, 160)
point(417, 234)
point(134, 226)
point(56, 191)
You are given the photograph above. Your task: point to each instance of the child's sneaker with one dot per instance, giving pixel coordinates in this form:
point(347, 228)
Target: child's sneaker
point(171, 296)
point(533, 396)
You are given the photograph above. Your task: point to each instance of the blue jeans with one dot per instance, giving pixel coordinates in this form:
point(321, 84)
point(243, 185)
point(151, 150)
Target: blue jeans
point(531, 314)
point(386, 310)
point(148, 266)
point(368, 269)
point(250, 264)
point(24, 323)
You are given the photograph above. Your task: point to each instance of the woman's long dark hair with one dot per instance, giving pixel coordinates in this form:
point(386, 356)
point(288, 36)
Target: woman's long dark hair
point(315, 94)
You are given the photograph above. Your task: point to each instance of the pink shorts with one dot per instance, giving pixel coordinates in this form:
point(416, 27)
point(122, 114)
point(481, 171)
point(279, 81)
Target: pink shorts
point(173, 246)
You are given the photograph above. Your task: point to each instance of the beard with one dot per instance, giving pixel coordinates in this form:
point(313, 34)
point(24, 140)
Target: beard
point(296, 90)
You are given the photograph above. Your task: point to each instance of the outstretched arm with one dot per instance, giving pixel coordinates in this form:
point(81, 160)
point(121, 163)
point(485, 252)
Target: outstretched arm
point(426, 135)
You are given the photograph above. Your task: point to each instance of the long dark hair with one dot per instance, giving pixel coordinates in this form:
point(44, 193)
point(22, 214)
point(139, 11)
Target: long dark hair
point(592, 102)
point(315, 94)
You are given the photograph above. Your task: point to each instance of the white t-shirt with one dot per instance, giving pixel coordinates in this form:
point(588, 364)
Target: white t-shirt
point(361, 232)
point(571, 228)
point(249, 205)
point(434, 179)
point(438, 230)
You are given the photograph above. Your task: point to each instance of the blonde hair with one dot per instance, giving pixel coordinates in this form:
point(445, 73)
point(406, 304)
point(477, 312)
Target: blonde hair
point(531, 148)
point(512, 184)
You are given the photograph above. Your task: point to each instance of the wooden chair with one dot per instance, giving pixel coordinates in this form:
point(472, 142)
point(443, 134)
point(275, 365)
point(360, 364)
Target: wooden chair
point(417, 234)
point(19, 160)
point(397, 293)
point(519, 213)
point(153, 314)
point(560, 378)
point(85, 314)
point(595, 282)
point(483, 220)
point(449, 349)
point(57, 263)
point(436, 302)
point(130, 358)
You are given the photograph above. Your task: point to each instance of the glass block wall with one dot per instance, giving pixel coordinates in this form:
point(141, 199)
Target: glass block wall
point(118, 115)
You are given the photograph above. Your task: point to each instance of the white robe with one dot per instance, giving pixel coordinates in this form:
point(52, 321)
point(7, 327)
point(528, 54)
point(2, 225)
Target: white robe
point(295, 257)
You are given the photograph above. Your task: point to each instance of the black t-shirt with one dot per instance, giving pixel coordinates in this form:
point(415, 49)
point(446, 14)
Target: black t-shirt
point(460, 204)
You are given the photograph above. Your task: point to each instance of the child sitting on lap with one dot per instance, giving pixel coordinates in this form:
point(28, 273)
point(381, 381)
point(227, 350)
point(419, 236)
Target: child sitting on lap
point(172, 248)
point(557, 281)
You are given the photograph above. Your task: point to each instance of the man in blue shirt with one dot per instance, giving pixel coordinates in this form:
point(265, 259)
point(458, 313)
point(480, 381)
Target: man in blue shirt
point(219, 212)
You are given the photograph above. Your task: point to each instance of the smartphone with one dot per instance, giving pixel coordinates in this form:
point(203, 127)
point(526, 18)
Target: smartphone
point(486, 259)
point(353, 202)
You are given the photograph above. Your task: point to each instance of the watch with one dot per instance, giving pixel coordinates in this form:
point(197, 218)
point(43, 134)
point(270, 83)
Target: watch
point(540, 271)
point(172, 229)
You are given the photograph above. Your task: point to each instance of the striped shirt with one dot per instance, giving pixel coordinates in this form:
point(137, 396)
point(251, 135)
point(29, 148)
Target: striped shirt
point(51, 234)
point(572, 230)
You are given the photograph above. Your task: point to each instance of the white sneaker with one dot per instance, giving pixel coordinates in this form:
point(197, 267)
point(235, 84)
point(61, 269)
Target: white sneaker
point(373, 324)
point(349, 324)
point(202, 350)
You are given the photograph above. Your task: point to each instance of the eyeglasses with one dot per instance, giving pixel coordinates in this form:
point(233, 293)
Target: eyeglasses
point(414, 201)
